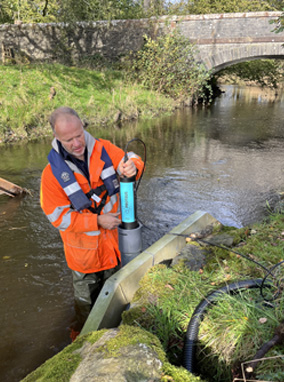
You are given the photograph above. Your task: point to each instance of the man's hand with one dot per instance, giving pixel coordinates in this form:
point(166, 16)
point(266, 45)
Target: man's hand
point(128, 168)
point(109, 220)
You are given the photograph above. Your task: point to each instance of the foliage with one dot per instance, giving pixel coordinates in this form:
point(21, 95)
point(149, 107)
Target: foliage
point(227, 6)
point(262, 72)
point(28, 11)
point(155, 7)
point(184, 7)
point(234, 328)
point(278, 23)
point(35, 11)
point(167, 65)
point(72, 10)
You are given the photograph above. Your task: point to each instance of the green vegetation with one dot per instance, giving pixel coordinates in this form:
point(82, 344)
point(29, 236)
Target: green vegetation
point(30, 11)
point(167, 65)
point(29, 93)
point(236, 326)
point(279, 22)
point(157, 79)
point(228, 6)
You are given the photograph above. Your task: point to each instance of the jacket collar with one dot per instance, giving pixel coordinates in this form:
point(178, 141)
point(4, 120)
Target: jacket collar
point(90, 143)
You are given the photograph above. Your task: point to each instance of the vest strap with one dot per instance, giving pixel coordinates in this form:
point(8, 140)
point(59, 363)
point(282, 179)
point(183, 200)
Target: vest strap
point(95, 193)
point(98, 209)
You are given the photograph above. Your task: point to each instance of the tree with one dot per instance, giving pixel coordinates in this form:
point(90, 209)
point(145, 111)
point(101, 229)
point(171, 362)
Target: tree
point(167, 65)
point(224, 6)
point(28, 11)
point(92, 10)
point(35, 11)
point(7, 11)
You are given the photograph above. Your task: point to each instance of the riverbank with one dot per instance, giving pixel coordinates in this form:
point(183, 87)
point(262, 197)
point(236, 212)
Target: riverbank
point(235, 331)
point(232, 328)
point(103, 98)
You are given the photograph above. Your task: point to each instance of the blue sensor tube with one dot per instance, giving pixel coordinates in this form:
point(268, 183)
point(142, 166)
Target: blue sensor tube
point(127, 203)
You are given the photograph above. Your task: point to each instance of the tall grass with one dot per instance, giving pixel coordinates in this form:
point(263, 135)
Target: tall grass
point(236, 326)
point(29, 93)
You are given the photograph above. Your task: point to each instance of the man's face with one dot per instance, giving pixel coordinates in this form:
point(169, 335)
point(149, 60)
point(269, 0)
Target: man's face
point(70, 132)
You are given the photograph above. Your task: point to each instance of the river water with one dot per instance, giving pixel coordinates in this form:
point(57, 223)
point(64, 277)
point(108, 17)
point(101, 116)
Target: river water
point(226, 159)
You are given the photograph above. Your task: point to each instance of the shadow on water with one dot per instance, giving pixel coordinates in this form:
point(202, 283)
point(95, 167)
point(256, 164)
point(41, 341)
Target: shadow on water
point(225, 159)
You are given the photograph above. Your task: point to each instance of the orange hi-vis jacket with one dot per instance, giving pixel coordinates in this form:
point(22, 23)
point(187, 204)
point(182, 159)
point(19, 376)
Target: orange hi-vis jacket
point(88, 247)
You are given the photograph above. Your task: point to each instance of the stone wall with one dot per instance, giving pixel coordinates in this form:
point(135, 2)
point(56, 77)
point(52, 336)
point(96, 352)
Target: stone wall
point(68, 42)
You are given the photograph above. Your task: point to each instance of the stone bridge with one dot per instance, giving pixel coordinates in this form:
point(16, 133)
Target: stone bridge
point(230, 38)
point(221, 39)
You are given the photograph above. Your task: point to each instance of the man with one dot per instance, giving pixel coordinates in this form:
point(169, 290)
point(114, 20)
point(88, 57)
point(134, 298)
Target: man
point(80, 196)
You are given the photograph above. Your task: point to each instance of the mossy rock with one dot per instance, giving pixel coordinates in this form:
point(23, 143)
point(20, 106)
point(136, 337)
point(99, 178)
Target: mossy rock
point(121, 354)
point(192, 256)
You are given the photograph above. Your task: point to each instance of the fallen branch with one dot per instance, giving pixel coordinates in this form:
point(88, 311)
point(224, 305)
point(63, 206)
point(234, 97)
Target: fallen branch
point(278, 339)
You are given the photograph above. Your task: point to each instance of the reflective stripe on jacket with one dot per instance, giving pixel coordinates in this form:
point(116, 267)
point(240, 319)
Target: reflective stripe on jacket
point(88, 247)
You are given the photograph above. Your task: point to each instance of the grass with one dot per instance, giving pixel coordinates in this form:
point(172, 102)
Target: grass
point(30, 92)
point(236, 326)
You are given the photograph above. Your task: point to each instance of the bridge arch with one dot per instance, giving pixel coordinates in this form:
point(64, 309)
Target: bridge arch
point(234, 55)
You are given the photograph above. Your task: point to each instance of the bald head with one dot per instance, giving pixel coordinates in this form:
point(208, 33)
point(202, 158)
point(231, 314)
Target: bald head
point(63, 113)
point(68, 129)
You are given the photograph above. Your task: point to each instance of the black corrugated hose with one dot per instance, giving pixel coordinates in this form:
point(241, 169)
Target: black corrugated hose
point(197, 317)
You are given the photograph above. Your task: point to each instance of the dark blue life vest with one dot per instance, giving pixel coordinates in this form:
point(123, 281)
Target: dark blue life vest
point(71, 187)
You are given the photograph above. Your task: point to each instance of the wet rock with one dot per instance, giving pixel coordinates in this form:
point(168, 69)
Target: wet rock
point(193, 257)
point(221, 239)
point(203, 233)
